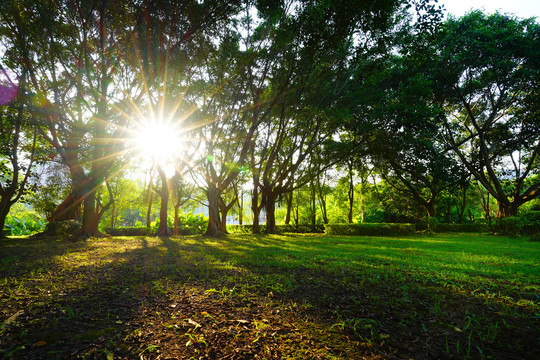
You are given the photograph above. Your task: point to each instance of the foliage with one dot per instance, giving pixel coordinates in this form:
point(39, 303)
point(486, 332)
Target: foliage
point(485, 73)
point(370, 229)
point(29, 225)
point(63, 228)
point(190, 224)
point(531, 222)
point(302, 228)
point(454, 228)
point(511, 225)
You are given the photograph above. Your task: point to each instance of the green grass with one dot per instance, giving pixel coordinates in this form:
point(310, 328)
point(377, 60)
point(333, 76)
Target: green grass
point(279, 296)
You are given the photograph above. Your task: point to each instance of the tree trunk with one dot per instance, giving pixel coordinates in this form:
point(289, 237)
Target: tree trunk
point(164, 194)
point(256, 210)
point(361, 199)
point(322, 202)
point(113, 210)
point(223, 210)
point(289, 197)
point(462, 205)
point(176, 220)
point(69, 209)
point(313, 207)
point(507, 209)
point(241, 208)
point(4, 211)
point(270, 205)
point(149, 208)
point(448, 211)
point(214, 223)
point(90, 218)
point(351, 195)
point(297, 212)
point(430, 208)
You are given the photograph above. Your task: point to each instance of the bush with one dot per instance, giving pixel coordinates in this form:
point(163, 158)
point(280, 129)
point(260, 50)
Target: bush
point(511, 226)
point(531, 222)
point(239, 229)
point(370, 229)
point(27, 225)
point(63, 228)
point(130, 231)
point(432, 223)
point(456, 228)
point(302, 228)
point(189, 225)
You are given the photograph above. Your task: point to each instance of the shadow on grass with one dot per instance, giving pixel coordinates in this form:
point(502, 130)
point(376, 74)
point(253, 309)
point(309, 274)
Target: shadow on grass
point(242, 297)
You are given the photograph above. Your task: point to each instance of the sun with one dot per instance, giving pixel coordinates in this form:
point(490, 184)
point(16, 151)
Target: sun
point(158, 141)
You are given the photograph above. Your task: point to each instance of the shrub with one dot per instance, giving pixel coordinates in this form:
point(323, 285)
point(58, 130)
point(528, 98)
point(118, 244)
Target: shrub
point(130, 231)
point(302, 228)
point(189, 225)
point(531, 222)
point(370, 229)
point(25, 223)
point(63, 228)
point(239, 229)
point(461, 228)
point(511, 226)
point(432, 224)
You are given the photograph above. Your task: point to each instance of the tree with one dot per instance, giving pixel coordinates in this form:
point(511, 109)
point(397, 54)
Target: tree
point(183, 192)
point(18, 153)
point(485, 71)
point(403, 122)
point(315, 72)
point(69, 51)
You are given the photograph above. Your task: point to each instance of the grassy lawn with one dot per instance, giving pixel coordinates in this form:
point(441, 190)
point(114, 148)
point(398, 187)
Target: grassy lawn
point(271, 297)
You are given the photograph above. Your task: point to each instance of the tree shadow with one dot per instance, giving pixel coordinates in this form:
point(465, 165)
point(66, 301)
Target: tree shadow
point(142, 296)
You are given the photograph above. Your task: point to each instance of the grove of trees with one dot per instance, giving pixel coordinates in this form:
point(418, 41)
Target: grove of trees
point(313, 111)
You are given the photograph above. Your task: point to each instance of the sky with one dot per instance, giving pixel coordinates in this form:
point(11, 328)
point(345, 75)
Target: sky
point(520, 8)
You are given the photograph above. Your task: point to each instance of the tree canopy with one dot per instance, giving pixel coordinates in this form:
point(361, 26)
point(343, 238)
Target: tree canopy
point(268, 98)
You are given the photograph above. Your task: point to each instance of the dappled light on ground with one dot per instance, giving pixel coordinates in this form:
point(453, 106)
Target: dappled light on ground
point(279, 296)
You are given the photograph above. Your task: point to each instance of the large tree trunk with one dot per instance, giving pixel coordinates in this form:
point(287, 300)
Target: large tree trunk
point(507, 209)
point(270, 205)
point(164, 194)
point(4, 211)
point(90, 218)
point(214, 223)
point(223, 210)
point(69, 209)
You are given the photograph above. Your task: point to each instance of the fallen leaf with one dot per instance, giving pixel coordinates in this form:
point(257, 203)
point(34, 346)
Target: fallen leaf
point(40, 343)
point(194, 323)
